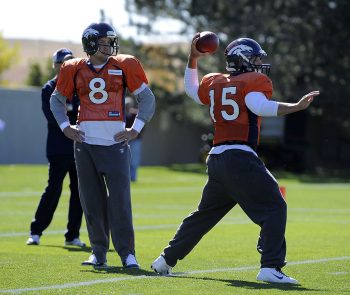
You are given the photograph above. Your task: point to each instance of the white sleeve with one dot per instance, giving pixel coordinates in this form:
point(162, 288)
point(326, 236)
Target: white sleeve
point(260, 105)
point(192, 84)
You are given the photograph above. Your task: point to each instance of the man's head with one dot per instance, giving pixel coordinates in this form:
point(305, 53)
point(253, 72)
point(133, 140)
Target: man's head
point(100, 37)
point(245, 55)
point(61, 55)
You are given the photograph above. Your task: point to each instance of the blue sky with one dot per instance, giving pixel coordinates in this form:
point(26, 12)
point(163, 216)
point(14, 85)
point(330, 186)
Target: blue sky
point(65, 20)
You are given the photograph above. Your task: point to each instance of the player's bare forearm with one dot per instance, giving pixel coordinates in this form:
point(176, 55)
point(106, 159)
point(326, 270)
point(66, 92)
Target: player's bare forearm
point(302, 104)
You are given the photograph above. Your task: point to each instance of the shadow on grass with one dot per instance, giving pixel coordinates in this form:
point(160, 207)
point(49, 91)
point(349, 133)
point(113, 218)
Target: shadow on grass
point(254, 285)
point(331, 176)
point(119, 270)
point(192, 168)
point(73, 248)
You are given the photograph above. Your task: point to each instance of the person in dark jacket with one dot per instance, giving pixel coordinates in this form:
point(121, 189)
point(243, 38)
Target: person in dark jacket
point(59, 152)
point(136, 144)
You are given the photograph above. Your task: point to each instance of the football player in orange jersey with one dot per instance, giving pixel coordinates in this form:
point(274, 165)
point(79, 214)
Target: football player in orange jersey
point(101, 150)
point(237, 101)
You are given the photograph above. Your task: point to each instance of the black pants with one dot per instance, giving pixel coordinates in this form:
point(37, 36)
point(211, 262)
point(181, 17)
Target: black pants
point(59, 166)
point(236, 177)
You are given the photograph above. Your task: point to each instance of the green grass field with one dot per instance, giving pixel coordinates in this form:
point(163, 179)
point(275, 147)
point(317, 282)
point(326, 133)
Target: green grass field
point(224, 262)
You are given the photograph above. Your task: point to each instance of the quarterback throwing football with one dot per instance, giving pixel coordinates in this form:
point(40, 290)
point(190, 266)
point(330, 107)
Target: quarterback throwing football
point(236, 101)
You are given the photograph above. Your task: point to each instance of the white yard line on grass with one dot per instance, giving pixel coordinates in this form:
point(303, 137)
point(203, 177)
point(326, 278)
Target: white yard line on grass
point(134, 190)
point(338, 273)
point(139, 228)
point(130, 278)
point(184, 189)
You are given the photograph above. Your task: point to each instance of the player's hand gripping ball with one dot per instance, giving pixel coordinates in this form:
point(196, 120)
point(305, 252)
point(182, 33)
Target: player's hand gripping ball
point(208, 42)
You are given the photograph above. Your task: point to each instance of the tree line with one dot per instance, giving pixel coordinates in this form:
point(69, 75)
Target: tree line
point(307, 44)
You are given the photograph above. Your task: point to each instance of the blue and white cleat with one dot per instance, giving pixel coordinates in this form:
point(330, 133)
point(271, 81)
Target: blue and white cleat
point(274, 275)
point(161, 267)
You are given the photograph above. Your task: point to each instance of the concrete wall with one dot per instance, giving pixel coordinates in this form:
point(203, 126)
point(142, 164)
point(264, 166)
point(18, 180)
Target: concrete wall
point(23, 133)
point(166, 141)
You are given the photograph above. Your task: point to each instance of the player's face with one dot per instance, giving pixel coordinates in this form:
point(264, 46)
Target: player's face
point(256, 60)
point(104, 45)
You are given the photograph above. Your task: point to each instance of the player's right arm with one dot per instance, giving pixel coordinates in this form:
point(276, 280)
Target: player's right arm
point(64, 90)
point(58, 108)
point(191, 74)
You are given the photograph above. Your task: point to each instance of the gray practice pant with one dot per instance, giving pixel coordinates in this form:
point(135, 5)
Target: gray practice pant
point(236, 177)
point(104, 185)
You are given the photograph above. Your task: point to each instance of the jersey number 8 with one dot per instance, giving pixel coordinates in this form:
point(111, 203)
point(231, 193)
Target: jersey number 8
point(100, 89)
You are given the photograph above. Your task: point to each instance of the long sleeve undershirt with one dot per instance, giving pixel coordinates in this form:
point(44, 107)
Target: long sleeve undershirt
point(256, 102)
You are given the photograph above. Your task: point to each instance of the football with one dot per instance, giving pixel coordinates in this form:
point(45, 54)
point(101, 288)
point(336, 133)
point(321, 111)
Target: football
point(207, 42)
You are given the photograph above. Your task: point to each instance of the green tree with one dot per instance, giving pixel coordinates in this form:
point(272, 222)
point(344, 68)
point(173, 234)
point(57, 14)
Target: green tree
point(49, 71)
point(38, 76)
point(307, 41)
point(8, 55)
point(35, 76)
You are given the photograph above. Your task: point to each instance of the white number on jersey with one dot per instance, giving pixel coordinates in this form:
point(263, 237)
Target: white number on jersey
point(225, 102)
point(99, 89)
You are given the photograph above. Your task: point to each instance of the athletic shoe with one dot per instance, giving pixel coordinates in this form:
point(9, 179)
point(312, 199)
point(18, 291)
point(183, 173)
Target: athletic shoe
point(93, 262)
point(75, 242)
point(33, 240)
point(274, 275)
point(131, 262)
point(160, 266)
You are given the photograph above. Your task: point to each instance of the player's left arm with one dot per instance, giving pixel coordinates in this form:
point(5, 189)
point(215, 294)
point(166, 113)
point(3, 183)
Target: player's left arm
point(302, 104)
point(257, 99)
point(146, 108)
point(258, 103)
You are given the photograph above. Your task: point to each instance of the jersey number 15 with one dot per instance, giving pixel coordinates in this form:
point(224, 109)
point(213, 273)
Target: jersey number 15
point(224, 102)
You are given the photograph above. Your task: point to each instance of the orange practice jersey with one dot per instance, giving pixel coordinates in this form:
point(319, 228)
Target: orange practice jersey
point(224, 94)
point(102, 91)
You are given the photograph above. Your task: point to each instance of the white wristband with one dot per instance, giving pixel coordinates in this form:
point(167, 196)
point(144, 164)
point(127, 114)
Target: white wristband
point(138, 125)
point(64, 125)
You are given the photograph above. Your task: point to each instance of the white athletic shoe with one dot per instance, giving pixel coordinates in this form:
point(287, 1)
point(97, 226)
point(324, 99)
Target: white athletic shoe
point(75, 242)
point(274, 275)
point(33, 240)
point(131, 262)
point(160, 266)
point(93, 262)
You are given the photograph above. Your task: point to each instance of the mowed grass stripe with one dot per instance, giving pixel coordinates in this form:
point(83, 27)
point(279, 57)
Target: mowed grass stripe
point(134, 190)
point(318, 226)
point(144, 277)
point(136, 227)
point(138, 188)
